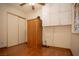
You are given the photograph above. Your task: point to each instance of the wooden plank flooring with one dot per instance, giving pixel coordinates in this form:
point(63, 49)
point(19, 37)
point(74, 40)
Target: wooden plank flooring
point(23, 50)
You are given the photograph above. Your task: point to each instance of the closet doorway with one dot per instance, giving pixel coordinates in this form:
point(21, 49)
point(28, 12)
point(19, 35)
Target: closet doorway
point(16, 30)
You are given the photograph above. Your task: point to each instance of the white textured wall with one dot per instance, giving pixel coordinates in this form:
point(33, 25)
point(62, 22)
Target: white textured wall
point(1, 29)
point(59, 36)
point(75, 44)
point(48, 35)
point(33, 14)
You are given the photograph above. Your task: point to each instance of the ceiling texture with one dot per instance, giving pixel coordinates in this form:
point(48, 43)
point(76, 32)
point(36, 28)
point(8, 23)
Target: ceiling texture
point(26, 8)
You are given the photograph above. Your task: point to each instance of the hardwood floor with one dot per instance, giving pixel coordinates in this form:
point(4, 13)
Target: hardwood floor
point(23, 50)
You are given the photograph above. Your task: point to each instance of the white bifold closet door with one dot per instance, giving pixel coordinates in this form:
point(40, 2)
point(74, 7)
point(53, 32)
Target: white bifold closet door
point(22, 31)
point(16, 30)
point(12, 30)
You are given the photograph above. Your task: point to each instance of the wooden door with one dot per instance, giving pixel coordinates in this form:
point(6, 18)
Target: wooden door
point(34, 33)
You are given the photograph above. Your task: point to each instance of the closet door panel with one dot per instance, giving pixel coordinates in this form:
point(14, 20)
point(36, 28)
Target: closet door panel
point(22, 30)
point(12, 30)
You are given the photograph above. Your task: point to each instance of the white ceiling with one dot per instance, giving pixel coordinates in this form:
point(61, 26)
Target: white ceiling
point(26, 8)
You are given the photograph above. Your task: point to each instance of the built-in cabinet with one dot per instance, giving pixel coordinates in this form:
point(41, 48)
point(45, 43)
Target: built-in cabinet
point(16, 31)
point(57, 14)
